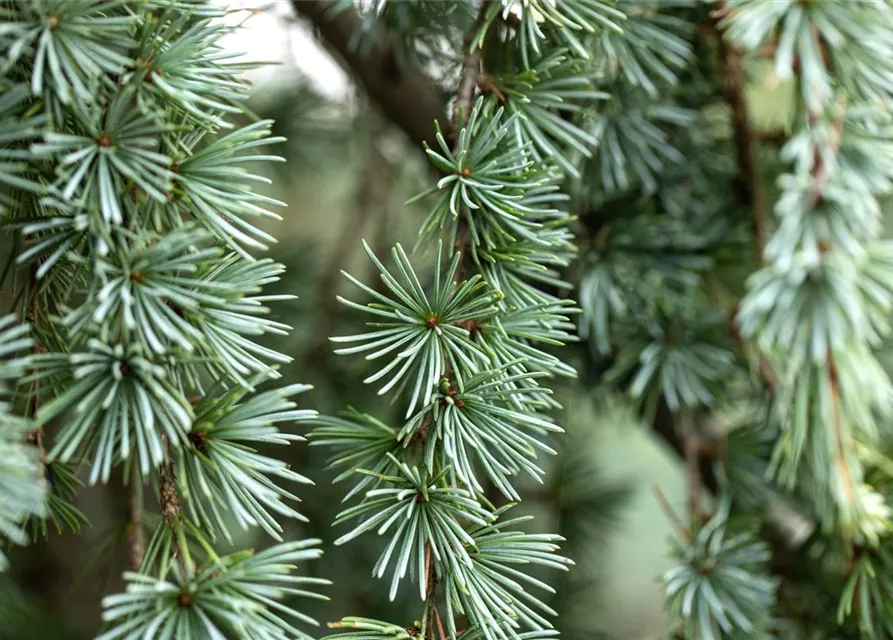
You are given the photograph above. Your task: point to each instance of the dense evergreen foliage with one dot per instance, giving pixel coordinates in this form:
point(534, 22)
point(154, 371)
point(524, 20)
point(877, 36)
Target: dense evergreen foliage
point(604, 151)
point(136, 218)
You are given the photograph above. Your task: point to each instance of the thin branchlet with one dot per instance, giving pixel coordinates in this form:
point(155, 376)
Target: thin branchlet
point(471, 69)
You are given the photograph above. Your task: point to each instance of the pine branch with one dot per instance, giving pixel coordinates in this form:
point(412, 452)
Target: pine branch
point(468, 353)
point(832, 379)
point(471, 69)
point(821, 172)
point(137, 219)
point(405, 95)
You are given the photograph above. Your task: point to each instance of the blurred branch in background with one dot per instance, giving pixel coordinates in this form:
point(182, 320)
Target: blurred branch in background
point(588, 508)
point(369, 211)
point(405, 95)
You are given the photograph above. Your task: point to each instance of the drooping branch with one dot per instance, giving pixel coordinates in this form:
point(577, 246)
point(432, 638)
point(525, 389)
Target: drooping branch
point(843, 441)
point(471, 70)
point(408, 97)
point(410, 100)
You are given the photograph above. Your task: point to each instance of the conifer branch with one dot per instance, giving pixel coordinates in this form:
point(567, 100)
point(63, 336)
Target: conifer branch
point(470, 359)
point(825, 404)
point(821, 170)
point(843, 442)
point(137, 216)
point(471, 69)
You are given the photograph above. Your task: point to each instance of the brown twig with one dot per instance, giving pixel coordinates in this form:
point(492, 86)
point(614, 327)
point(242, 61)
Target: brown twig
point(468, 82)
point(430, 595)
point(441, 634)
point(665, 426)
point(821, 172)
point(471, 73)
point(734, 88)
point(751, 187)
point(32, 317)
point(171, 505)
point(691, 439)
point(683, 531)
point(135, 534)
point(169, 496)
